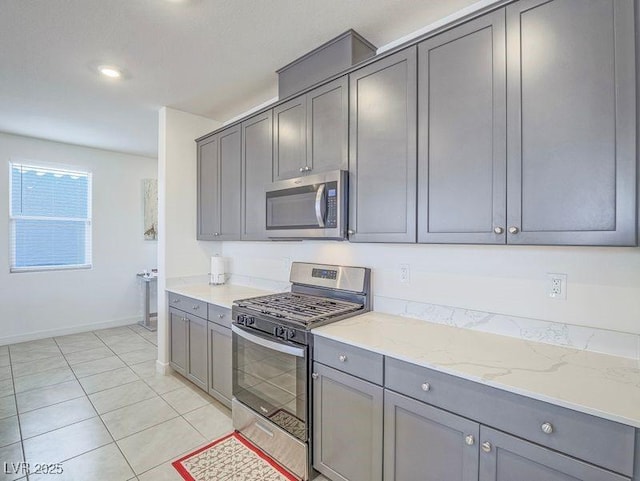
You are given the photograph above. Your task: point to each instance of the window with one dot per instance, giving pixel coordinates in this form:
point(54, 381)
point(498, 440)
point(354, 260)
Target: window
point(50, 218)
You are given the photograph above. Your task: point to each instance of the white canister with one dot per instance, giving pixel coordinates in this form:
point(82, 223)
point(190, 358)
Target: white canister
point(216, 276)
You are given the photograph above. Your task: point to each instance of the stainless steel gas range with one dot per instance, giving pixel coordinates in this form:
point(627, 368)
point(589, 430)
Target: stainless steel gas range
point(272, 351)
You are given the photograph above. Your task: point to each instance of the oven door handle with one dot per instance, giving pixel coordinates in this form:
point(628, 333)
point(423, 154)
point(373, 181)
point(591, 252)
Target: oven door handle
point(261, 341)
point(319, 205)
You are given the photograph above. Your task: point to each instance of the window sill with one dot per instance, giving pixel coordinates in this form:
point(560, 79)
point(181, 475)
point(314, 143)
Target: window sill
point(17, 270)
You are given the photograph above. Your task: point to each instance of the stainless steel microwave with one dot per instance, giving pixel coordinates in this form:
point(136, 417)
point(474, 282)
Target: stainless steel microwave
point(310, 207)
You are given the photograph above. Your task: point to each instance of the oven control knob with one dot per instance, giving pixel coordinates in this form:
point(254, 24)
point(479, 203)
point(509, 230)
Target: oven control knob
point(250, 321)
point(291, 334)
point(241, 319)
point(278, 331)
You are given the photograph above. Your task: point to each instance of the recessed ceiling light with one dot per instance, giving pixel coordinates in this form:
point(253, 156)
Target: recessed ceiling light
point(110, 71)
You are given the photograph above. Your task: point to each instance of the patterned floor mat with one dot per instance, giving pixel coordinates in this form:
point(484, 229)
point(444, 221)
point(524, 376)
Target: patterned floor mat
point(231, 458)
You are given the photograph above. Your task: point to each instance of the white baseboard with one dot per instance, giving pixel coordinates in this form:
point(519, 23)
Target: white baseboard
point(163, 368)
point(34, 336)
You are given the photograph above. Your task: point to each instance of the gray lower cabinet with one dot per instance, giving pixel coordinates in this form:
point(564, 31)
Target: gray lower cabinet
point(382, 160)
point(427, 444)
point(507, 458)
point(257, 155)
point(571, 138)
point(310, 132)
point(347, 426)
point(461, 136)
point(178, 340)
point(219, 185)
point(197, 365)
point(220, 383)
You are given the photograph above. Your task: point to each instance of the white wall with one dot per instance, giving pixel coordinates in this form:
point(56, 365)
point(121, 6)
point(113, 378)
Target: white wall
point(603, 283)
point(40, 304)
point(179, 253)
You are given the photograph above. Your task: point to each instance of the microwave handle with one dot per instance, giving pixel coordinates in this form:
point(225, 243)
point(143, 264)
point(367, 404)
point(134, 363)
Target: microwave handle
point(319, 198)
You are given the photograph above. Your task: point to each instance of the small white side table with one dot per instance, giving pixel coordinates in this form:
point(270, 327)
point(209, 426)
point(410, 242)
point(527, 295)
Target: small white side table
point(146, 320)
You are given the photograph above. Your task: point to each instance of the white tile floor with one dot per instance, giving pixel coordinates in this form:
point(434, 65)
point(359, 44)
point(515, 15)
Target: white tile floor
point(94, 402)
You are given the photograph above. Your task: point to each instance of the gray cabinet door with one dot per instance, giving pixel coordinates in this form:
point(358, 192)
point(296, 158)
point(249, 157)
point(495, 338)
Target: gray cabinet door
point(426, 443)
point(462, 134)
point(571, 122)
point(220, 363)
point(382, 160)
point(197, 365)
point(178, 341)
point(257, 172)
point(208, 189)
point(347, 426)
point(328, 126)
point(290, 138)
point(507, 458)
point(230, 184)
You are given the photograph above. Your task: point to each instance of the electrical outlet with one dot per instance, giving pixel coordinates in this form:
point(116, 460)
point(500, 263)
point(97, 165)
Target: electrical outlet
point(405, 273)
point(557, 286)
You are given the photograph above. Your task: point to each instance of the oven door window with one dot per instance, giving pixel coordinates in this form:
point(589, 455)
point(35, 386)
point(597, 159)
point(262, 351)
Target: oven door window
point(292, 208)
point(270, 376)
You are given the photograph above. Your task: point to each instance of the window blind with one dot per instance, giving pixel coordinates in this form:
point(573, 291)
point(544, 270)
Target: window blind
point(50, 218)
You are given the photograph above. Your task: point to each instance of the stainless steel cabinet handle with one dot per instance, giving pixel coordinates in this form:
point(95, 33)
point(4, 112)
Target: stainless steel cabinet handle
point(314, 375)
point(425, 387)
point(498, 230)
point(351, 232)
point(469, 440)
point(486, 447)
point(513, 230)
point(547, 428)
point(342, 358)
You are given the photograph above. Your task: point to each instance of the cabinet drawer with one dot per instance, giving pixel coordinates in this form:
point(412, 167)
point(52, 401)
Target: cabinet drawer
point(220, 315)
point(353, 360)
point(187, 304)
point(596, 440)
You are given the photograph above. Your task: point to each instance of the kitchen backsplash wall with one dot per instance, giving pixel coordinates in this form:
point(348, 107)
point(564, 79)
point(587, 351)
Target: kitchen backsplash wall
point(499, 289)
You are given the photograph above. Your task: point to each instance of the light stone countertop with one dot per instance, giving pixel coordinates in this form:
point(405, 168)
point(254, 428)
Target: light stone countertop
point(222, 295)
point(598, 384)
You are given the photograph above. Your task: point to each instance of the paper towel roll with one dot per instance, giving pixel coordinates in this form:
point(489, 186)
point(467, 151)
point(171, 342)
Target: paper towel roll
point(217, 270)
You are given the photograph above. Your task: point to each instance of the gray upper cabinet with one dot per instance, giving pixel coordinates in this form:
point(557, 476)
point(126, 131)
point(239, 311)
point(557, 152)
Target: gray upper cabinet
point(219, 184)
point(290, 138)
point(310, 132)
point(208, 188)
point(571, 122)
point(328, 126)
point(507, 458)
point(347, 426)
point(257, 155)
point(462, 134)
point(426, 443)
point(382, 160)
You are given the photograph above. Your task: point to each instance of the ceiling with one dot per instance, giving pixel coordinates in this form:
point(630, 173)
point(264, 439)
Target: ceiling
point(215, 58)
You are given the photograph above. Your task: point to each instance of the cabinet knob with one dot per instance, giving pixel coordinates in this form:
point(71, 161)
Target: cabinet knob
point(307, 169)
point(425, 386)
point(547, 428)
point(314, 376)
point(469, 440)
point(195, 308)
point(301, 169)
point(175, 301)
point(513, 230)
point(216, 234)
point(351, 232)
point(342, 358)
point(486, 447)
point(220, 316)
point(498, 230)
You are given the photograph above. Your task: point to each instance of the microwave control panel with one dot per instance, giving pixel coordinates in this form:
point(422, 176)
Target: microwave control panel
point(332, 204)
